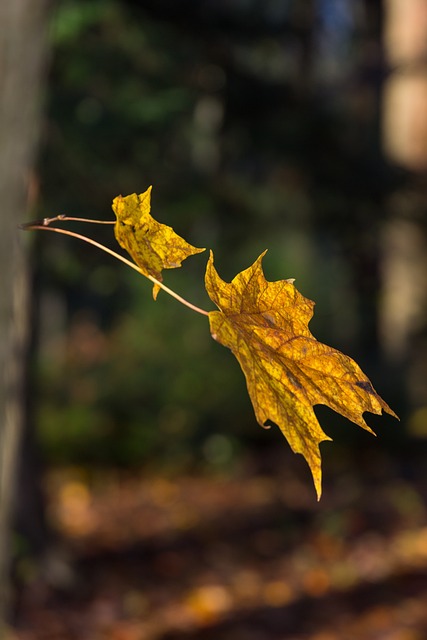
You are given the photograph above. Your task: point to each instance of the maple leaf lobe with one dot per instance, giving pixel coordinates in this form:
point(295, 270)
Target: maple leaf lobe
point(287, 371)
point(152, 245)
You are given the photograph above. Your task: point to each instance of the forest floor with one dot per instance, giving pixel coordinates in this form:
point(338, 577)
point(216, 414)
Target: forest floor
point(246, 554)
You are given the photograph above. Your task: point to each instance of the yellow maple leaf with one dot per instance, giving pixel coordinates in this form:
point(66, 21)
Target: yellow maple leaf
point(287, 371)
point(152, 245)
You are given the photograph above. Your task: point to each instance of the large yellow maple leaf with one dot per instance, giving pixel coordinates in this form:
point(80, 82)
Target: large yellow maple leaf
point(287, 371)
point(152, 245)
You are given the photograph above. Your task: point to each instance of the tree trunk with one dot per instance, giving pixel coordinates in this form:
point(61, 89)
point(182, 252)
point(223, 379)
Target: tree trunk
point(22, 64)
point(404, 245)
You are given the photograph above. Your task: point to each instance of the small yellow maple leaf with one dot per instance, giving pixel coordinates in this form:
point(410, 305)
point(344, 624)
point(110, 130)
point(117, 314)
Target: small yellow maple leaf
point(287, 371)
point(152, 245)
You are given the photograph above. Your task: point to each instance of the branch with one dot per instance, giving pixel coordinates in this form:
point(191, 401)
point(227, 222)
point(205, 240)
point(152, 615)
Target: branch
point(43, 225)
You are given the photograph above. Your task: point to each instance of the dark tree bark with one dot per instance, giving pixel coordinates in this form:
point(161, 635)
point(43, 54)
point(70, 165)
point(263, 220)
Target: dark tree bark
point(22, 65)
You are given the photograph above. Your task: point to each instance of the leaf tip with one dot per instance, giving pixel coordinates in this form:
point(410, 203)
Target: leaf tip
point(210, 265)
point(156, 289)
point(317, 479)
point(390, 412)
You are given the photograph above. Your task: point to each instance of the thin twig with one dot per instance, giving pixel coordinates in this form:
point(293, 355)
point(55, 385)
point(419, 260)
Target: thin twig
point(44, 226)
point(45, 222)
point(62, 218)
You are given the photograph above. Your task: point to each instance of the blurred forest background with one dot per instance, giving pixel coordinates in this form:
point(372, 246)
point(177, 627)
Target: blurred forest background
point(297, 126)
point(258, 125)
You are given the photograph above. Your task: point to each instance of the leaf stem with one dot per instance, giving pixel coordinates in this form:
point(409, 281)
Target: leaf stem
point(43, 225)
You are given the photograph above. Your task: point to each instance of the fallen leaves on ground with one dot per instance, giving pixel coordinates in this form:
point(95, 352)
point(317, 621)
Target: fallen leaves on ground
point(244, 556)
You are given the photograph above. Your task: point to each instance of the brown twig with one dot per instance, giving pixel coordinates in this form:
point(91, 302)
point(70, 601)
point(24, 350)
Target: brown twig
point(43, 225)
